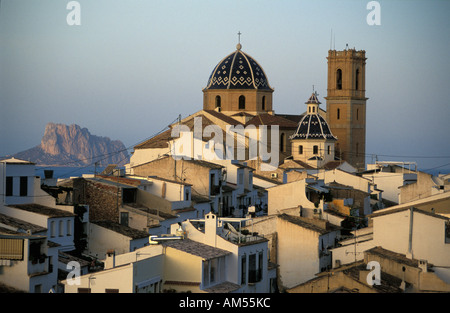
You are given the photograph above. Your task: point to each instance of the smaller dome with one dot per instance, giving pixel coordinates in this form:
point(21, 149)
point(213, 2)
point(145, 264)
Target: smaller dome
point(313, 125)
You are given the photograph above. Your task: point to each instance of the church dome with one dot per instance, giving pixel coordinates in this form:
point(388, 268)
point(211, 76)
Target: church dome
point(238, 71)
point(313, 125)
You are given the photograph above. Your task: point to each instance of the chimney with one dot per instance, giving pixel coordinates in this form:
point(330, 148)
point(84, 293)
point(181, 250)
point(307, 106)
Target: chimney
point(110, 261)
point(423, 265)
point(210, 229)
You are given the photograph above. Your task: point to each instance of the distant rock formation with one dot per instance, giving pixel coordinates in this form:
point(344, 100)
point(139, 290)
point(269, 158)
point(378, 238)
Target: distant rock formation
point(71, 145)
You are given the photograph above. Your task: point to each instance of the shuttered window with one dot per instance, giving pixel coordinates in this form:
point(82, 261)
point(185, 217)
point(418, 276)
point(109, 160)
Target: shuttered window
point(11, 249)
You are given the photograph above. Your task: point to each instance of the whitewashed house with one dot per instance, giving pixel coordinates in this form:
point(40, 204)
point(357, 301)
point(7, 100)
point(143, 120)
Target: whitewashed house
point(245, 266)
point(107, 236)
point(28, 261)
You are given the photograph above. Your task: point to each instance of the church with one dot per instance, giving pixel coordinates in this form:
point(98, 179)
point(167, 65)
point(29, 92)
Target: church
point(238, 94)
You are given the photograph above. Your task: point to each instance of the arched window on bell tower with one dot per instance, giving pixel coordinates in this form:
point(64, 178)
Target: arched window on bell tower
point(357, 79)
point(339, 79)
point(263, 104)
point(241, 103)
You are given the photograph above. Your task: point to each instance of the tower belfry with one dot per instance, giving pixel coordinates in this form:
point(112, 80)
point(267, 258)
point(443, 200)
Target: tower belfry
point(346, 104)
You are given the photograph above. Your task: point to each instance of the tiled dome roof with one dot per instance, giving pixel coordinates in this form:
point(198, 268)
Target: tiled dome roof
point(313, 125)
point(238, 71)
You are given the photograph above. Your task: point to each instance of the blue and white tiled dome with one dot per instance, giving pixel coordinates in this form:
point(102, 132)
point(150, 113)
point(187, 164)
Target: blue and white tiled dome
point(238, 71)
point(313, 125)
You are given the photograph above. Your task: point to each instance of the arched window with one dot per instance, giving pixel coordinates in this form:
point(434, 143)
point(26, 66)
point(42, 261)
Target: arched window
point(218, 102)
point(300, 149)
point(329, 149)
point(357, 79)
point(338, 113)
point(339, 79)
point(263, 105)
point(316, 150)
point(282, 142)
point(241, 103)
point(357, 114)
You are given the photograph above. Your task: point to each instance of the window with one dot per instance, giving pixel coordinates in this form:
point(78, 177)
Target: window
point(447, 232)
point(357, 79)
point(338, 115)
point(9, 186)
point(212, 271)
point(107, 290)
point(282, 142)
point(61, 228)
point(263, 105)
point(50, 264)
point(38, 288)
point(84, 290)
point(328, 149)
point(218, 102)
point(241, 103)
point(339, 79)
point(69, 228)
point(260, 265)
point(357, 114)
point(23, 186)
point(52, 229)
point(255, 267)
point(240, 178)
point(243, 269)
point(316, 150)
point(124, 218)
point(300, 149)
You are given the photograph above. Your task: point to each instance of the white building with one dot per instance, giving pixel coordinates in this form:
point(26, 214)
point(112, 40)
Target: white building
point(390, 176)
point(28, 261)
point(140, 271)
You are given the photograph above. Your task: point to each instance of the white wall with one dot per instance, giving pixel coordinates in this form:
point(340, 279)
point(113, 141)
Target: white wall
point(101, 239)
point(287, 196)
point(16, 171)
point(391, 231)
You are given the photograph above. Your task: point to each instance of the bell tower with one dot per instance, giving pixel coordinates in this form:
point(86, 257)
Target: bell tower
point(346, 104)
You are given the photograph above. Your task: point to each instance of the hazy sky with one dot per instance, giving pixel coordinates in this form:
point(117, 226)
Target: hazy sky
point(133, 66)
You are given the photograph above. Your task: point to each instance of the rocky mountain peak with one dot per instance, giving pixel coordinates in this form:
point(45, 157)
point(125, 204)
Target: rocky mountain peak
point(73, 145)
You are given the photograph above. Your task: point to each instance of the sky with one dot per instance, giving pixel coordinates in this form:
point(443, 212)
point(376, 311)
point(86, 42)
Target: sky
point(132, 67)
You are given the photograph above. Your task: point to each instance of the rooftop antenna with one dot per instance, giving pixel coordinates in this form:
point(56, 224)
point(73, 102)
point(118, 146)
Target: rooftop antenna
point(331, 38)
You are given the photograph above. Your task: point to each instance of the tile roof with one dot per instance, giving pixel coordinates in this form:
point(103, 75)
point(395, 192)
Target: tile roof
point(271, 120)
point(121, 229)
point(307, 223)
point(20, 224)
point(41, 209)
point(389, 283)
point(196, 248)
point(400, 209)
point(161, 140)
point(225, 118)
point(388, 254)
point(223, 287)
